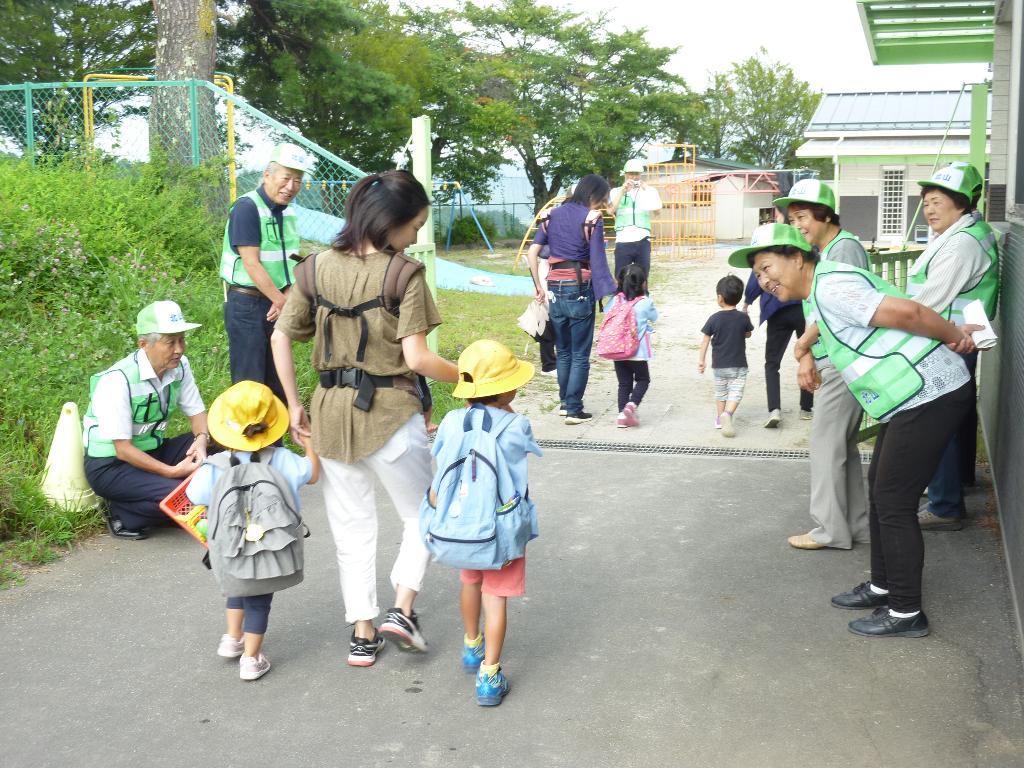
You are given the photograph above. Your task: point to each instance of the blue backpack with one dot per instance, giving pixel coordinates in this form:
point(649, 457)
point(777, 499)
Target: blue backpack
point(478, 519)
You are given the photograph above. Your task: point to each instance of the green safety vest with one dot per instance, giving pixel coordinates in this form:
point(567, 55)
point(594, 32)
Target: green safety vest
point(882, 370)
point(626, 215)
point(149, 415)
point(987, 289)
point(274, 251)
point(818, 349)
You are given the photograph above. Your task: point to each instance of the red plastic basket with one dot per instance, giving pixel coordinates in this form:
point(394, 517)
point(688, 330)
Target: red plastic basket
point(177, 507)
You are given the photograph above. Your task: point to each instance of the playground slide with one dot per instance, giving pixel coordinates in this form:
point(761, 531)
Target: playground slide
point(322, 227)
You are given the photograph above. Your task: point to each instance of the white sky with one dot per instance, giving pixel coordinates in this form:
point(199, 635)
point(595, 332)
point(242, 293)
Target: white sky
point(822, 40)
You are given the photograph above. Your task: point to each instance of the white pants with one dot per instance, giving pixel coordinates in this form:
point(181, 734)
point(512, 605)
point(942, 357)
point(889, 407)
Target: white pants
point(402, 465)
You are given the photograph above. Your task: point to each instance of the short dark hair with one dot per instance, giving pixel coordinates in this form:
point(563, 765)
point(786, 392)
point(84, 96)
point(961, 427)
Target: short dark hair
point(631, 280)
point(789, 251)
point(730, 288)
point(590, 189)
point(820, 212)
point(959, 200)
point(377, 204)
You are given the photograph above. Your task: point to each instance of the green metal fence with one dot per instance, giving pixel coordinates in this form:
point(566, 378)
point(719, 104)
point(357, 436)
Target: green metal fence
point(188, 120)
point(893, 267)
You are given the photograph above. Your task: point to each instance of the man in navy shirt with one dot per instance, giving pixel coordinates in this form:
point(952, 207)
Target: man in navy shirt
point(260, 249)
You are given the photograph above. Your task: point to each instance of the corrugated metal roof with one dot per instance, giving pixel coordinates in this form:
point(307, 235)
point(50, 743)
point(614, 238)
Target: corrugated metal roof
point(901, 111)
point(895, 147)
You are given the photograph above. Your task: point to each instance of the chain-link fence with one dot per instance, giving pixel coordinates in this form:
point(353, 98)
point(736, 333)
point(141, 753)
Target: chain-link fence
point(191, 121)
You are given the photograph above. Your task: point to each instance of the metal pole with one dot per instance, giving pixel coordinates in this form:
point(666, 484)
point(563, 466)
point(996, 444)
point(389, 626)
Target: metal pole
point(30, 128)
point(193, 103)
point(425, 249)
point(979, 126)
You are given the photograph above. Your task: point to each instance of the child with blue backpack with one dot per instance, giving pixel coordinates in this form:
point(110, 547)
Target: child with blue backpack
point(489, 375)
point(633, 372)
point(247, 419)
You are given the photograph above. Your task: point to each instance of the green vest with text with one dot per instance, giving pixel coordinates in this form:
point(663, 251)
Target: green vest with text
point(149, 416)
point(274, 250)
point(818, 349)
point(882, 370)
point(987, 289)
point(627, 214)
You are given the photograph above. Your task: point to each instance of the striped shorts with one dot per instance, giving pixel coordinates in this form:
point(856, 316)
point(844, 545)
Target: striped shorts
point(729, 383)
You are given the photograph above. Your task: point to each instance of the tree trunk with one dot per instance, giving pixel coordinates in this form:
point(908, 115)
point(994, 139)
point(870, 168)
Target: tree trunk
point(186, 49)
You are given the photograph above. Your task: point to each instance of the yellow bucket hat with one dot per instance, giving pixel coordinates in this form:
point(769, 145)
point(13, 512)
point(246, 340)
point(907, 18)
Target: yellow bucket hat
point(247, 407)
point(489, 368)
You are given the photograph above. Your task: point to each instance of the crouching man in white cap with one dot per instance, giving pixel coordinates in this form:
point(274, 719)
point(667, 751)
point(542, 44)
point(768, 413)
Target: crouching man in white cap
point(632, 204)
point(258, 257)
point(128, 460)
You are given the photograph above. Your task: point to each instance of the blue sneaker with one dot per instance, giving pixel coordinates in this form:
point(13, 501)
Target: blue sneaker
point(491, 689)
point(472, 657)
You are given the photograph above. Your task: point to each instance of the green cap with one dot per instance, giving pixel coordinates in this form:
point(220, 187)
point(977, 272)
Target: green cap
point(808, 191)
point(162, 317)
point(957, 177)
point(766, 236)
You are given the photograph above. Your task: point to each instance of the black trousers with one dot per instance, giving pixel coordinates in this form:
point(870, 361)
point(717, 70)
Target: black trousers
point(634, 378)
point(548, 354)
point(638, 252)
point(907, 451)
point(783, 324)
point(134, 495)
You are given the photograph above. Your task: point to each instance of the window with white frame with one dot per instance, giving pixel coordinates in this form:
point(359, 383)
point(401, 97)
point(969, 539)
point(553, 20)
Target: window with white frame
point(893, 203)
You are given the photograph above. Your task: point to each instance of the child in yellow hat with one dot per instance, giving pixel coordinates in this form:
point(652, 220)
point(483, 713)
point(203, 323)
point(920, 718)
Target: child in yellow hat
point(489, 376)
point(247, 418)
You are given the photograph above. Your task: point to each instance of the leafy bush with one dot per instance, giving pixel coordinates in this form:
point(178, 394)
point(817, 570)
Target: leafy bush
point(465, 231)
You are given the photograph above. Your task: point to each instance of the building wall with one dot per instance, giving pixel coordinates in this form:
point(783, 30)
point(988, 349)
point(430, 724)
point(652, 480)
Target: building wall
point(1002, 408)
point(859, 214)
point(999, 137)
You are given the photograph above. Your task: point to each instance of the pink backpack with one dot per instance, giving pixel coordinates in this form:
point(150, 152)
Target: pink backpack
point(617, 339)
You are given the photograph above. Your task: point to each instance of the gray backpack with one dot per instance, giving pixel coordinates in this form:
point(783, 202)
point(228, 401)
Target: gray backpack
point(254, 529)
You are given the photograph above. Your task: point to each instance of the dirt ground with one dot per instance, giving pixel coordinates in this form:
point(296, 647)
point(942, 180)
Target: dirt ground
point(679, 408)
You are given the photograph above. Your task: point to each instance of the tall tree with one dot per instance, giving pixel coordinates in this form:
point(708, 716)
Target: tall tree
point(186, 49)
point(770, 110)
point(568, 95)
point(714, 129)
point(298, 62)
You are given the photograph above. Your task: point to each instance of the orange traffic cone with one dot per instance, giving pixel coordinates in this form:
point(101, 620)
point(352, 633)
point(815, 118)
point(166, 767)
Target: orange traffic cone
point(64, 480)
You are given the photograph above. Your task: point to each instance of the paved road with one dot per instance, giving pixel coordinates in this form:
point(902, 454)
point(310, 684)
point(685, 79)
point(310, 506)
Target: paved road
point(667, 624)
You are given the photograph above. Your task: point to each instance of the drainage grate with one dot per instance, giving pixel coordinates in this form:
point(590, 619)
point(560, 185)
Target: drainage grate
point(685, 450)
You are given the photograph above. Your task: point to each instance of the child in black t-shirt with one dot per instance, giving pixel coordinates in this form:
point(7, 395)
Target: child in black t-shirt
point(727, 332)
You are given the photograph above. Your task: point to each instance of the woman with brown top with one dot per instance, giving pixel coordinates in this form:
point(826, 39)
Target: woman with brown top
point(368, 419)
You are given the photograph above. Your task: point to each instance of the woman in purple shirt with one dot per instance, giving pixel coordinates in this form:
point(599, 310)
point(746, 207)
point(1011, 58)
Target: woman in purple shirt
point(579, 276)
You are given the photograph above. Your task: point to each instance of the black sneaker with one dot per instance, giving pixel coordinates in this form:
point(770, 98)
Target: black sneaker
point(405, 629)
point(859, 598)
point(882, 624)
point(578, 418)
point(363, 652)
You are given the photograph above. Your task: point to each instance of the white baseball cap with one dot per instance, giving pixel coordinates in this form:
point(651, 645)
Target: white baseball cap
point(633, 165)
point(292, 156)
point(162, 317)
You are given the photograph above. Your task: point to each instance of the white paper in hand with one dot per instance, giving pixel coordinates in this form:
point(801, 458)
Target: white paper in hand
point(974, 314)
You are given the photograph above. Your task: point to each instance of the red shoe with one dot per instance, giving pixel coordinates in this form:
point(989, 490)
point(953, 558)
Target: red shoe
point(629, 413)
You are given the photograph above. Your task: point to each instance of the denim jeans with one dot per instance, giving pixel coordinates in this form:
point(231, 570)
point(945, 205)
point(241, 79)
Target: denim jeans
point(571, 314)
point(946, 490)
point(245, 320)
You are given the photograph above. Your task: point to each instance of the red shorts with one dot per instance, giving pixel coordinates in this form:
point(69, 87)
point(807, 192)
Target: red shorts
point(510, 581)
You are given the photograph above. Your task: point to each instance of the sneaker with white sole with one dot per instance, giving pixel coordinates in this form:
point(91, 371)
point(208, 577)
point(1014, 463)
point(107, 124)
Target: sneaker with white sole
point(718, 422)
point(230, 647)
point(632, 420)
point(253, 667)
point(580, 417)
point(806, 415)
point(774, 417)
point(562, 411)
point(405, 629)
point(491, 689)
point(363, 652)
point(728, 430)
point(620, 421)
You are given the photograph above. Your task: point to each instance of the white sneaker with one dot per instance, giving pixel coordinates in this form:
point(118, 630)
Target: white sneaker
point(774, 417)
point(728, 430)
point(253, 667)
point(229, 647)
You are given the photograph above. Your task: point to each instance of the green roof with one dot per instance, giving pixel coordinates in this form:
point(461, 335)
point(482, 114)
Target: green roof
point(926, 32)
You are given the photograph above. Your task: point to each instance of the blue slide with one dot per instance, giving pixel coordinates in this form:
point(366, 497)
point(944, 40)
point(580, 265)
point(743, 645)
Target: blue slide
point(322, 228)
